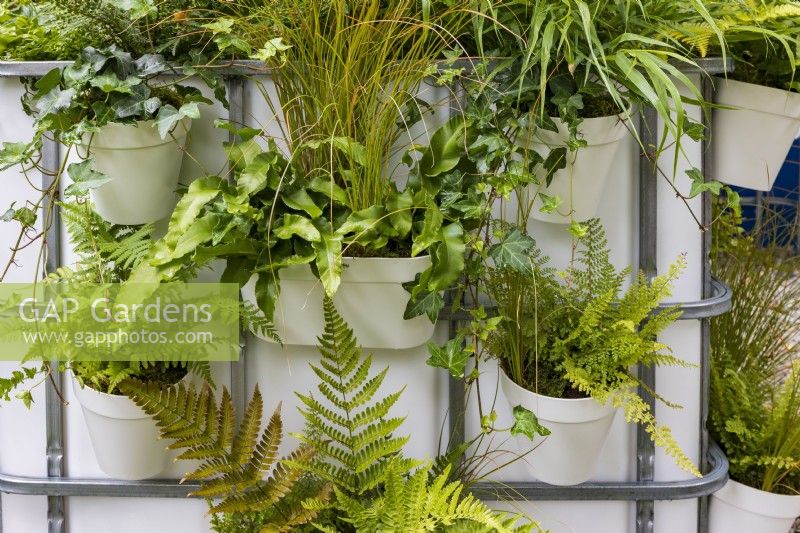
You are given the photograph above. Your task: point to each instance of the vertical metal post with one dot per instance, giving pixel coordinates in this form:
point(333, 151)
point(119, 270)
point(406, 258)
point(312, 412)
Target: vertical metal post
point(235, 89)
point(705, 324)
point(648, 228)
point(51, 219)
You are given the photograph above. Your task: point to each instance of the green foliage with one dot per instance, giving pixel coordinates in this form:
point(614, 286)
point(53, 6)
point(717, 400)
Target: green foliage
point(417, 503)
point(579, 333)
point(239, 470)
point(762, 36)
point(349, 474)
point(60, 29)
point(17, 379)
point(351, 431)
point(755, 378)
point(273, 215)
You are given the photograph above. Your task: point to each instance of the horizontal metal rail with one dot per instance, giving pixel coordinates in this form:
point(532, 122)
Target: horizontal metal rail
point(718, 304)
point(169, 488)
point(66, 486)
point(628, 491)
point(36, 69)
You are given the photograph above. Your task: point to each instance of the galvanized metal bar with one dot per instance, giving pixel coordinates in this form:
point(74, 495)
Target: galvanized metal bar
point(36, 69)
point(236, 95)
point(648, 231)
point(620, 491)
point(718, 303)
point(51, 220)
point(519, 491)
point(58, 487)
point(707, 165)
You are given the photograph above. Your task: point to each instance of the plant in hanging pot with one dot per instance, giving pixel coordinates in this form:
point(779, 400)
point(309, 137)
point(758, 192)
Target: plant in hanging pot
point(128, 126)
point(124, 438)
point(754, 410)
point(574, 75)
point(300, 236)
point(568, 344)
point(758, 106)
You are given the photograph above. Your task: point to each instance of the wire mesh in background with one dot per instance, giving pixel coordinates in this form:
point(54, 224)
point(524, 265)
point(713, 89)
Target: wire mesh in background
point(781, 204)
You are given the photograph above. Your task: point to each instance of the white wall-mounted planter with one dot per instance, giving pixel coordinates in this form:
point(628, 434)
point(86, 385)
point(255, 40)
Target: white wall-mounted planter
point(581, 183)
point(125, 439)
point(750, 143)
point(371, 299)
point(144, 168)
point(737, 507)
point(578, 430)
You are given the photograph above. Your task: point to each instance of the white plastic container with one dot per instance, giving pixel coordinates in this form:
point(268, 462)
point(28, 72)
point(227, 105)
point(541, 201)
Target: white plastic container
point(737, 507)
point(750, 143)
point(581, 183)
point(371, 299)
point(578, 430)
point(144, 168)
point(126, 441)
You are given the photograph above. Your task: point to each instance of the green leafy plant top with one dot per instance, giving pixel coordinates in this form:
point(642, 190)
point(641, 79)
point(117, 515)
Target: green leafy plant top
point(577, 333)
point(273, 215)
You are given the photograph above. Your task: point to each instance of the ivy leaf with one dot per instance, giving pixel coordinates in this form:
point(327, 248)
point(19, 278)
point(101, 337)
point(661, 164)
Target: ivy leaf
point(77, 74)
point(329, 261)
point(555, 161)
point(297, 225)
point(26, 397)
point(167, 118)
point(700, 185)
point(47, 83)
point(452, 356)
point(431, 230)
point(84, 178)
point(272, 48)
point(151, 105)
point(512, 252)
point(55, 100)
point(549, 203)
point(14, 154)
point(526, 423)
point(127, 107)
point(428, 303)
point(219, 26)
point(446, 148)
point(24, 215)
point(226, 40)
point(577, 229)
point(150, 64)
point(110, 83)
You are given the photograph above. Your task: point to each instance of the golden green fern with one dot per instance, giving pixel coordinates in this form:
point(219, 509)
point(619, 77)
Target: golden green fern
point(418, 504)
point(352, 432)
point(239, 469)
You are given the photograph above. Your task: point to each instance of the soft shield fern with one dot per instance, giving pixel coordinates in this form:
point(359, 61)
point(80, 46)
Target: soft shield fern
point(352, 434)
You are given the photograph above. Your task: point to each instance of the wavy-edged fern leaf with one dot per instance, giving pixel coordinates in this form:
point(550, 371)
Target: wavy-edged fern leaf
point(352, 433)
point(240, 469)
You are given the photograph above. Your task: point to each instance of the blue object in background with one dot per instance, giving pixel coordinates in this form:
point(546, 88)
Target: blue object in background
point(783, 199)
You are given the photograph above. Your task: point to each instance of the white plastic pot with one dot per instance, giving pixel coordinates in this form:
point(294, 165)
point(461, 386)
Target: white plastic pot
point(737, 507)
point(144, 168)
point(126, 441)
point(750, 143)
point(371, 299)
point(580, 184)
point(578, 430)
